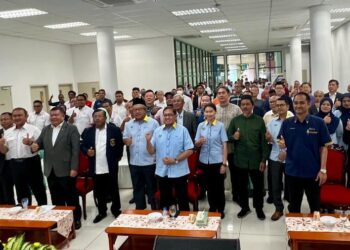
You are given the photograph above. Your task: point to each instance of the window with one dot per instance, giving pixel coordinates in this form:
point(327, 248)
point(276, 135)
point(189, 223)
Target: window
point(270, 65)
point(219, 70)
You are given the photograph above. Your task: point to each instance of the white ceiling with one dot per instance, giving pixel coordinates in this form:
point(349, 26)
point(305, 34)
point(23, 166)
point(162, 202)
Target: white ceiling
point(252, 20)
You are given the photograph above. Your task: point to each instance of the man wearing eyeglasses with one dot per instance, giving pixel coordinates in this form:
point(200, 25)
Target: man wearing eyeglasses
point(39, 118)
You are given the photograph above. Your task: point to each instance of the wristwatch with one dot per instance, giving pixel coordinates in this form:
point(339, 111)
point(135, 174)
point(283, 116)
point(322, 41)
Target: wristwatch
point(176, 161)
point(323, 171)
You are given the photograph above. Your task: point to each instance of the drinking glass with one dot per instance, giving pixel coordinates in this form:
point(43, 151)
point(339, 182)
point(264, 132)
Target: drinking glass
point(343, 218)
point(25, 202)
point(172, 211)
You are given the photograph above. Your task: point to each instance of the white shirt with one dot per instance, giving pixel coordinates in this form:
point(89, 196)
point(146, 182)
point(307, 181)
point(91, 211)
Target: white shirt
point(83, 119)
point(180, 118)
point(55, 131)
point(69, 104)
point(14, 141)
point(188, 106)
point(160, 104)
point(120, 110)
point(40, 120)
point(100, 151)
point(332, 96)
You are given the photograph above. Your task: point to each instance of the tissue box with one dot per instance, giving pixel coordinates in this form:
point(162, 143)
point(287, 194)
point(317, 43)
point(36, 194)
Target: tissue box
point(202, 219)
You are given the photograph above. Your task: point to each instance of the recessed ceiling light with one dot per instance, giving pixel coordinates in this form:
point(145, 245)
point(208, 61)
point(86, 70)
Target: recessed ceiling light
point(342, 10)
point(215, 30)
point(66, 25)
point(237, 49)
point(305, 29)
point(210, 22)
point(122, 37)
point(21, 13)
point(94, 33)
point(195, 11)
point(228, 40)
point(229, 44)
point(337, 20)
point(222, 36)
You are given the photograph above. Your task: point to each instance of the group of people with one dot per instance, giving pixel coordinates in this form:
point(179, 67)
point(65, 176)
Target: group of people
point(237, 131)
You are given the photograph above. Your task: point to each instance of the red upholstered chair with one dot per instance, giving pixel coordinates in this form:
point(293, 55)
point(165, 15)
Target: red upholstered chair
point(84, 183)
point(334, 194)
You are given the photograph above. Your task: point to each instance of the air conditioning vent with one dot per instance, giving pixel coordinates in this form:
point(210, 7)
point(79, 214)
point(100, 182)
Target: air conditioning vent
point(277, 45)
point(113, 3)
point(284, 28)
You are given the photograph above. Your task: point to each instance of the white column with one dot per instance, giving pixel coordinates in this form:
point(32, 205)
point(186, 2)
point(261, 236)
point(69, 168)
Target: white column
point(107, 61)
point(321, 55)
point(295, 60)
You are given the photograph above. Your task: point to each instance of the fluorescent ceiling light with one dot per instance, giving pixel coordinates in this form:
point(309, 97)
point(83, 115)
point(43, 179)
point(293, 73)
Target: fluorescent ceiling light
point(342, 10)
point(94, 33)
point(122, 37)
point(337, 20)
point(210, 22)
point(237, 49)
point(195, 11)
point(21, 13)
point(305, 29)
point(66, 25)
point(222, 36)
point(229, 44)
point(216, 30)
point(228, 40)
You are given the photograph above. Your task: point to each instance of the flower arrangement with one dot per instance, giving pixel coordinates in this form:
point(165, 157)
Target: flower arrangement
point(18, 243)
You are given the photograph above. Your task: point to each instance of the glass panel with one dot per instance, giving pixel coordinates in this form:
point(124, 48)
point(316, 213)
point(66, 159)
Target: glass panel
point(219, 70)
point(184, 63)
point(234, 67)
point(194, 68)
point(178, 61)
point(189, 65)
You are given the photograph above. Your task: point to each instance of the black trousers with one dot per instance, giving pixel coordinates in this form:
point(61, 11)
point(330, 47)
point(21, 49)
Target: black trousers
point(297, 187)
point(6, 185)
point(144, 182)
point(276, 170)
point(63, 192)
point(233, 175)
point(105, 185)
point(27, 177)
point(257, 178)
point(166, 187)
point(215, 186)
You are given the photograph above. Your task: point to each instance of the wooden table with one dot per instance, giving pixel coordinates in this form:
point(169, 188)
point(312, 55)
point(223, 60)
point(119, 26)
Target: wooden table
point(143, 238)
point(317, 240)
point(35, 231)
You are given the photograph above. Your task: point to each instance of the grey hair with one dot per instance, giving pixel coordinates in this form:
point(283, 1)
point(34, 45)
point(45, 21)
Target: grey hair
point(181, 97)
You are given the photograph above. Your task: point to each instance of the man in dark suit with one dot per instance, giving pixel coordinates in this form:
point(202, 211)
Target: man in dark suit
point(103, 143)
point(333, 93)
point(6, 182)
point(184, 118)
point(60, 142)
point(197, 98)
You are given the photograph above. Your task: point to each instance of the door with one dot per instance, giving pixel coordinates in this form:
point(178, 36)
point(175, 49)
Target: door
point(5, 99)
point(89, 88)
point(40, 93)
point(64, 89)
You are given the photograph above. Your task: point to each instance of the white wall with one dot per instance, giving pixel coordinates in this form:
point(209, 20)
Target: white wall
point(341, 55)
point(146, 63)
point(26, 62)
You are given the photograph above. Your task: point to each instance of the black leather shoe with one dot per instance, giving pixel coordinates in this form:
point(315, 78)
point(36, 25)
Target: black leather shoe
point(116, 214)
point(222, 215)
point(99, 217)
point(77, 225)
point(260, 214)
point(132, 201)
point(243, 213)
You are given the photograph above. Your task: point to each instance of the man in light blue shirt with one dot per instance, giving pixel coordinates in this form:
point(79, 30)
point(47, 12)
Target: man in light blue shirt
point(277, 157)
point(142, 163)
point(172, 145)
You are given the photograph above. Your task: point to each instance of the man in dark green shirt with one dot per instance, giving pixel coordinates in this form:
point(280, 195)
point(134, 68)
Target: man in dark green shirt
point(247, 131)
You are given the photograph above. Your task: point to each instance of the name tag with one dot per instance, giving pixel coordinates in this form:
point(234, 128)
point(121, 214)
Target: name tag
point(311, 131)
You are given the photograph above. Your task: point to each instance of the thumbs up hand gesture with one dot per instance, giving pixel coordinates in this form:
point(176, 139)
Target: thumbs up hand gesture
point(237, 135)
point(327, 119)
point(34, 147)
point(2, 140)
point(27, 141)
point(91, 152)
point(281, 143)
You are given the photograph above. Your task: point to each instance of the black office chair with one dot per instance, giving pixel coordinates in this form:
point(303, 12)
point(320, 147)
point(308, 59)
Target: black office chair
point(186, 243)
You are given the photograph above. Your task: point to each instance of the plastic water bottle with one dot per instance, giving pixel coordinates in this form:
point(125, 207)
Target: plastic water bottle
point(165, 213)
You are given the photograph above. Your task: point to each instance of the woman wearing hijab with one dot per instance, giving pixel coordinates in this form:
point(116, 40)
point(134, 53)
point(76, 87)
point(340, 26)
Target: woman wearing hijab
point(333, 123)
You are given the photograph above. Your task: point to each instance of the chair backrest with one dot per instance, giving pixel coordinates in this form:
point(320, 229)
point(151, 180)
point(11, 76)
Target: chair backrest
point(193, 162)
point(335, 166)
point(83, 164)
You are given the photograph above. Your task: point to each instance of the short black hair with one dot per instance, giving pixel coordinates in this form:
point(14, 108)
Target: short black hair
point(72, 92)
point(20, 109)
point(305, 83)
point(136, 88)
point(210, 105)
point(99, 110)
point(119, 92)
point(59, 108)
point(38, 101)
point(333, 80)
point(102, 90)
point(279, 83)
point(6, 113)
point(225, 88)
point(171, 108)
point(284, 98)
point(149, 91)
point(304, 94)
point(169, 93)
point(247, 97)
point(107, 101)
point(82, 95)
